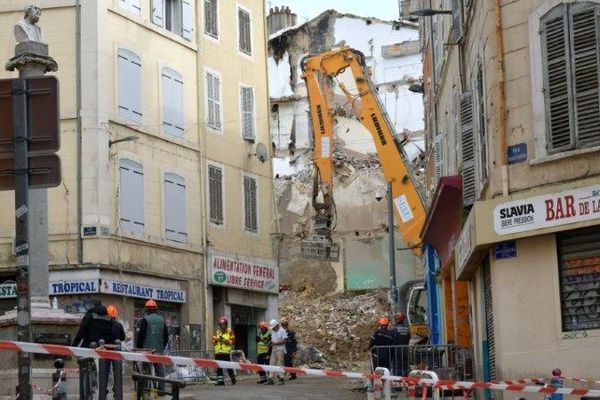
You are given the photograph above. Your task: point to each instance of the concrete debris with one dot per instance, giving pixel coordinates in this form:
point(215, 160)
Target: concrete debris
point(339, 324)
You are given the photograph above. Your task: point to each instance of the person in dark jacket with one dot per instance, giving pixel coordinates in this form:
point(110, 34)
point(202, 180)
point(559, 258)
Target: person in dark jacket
point(117, 336)
point(291, 346)
point(95, 325)
point(401, 341)
point(381, 338)
point(153, 335)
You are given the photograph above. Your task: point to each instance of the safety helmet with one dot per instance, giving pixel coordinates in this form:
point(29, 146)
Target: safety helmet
point(223, 320)
point(151, 305)
point(400, 317)
point(263, 325)
point(556, 372)
point(112, 311)
point(384, 321)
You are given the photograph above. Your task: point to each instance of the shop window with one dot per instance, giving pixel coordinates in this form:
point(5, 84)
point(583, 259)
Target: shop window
point(131, 196)
point(130, 85)
point(250, 205)
point(175, 208)
point(570, 62)
point(172, 97)
point(211, 18)
point(579, 270)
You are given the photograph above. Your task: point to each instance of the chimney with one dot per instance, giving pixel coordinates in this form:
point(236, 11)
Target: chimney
point(280, 18)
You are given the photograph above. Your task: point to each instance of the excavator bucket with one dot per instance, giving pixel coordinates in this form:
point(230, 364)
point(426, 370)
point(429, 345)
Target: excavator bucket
point(320, 248)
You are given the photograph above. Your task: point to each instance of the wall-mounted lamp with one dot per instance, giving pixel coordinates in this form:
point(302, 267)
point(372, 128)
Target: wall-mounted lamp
point(125, 139)
point(416, 88)
point(428, 12)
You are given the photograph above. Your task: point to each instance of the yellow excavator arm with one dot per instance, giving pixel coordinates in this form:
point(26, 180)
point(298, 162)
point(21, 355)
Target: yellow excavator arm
point(318, 71)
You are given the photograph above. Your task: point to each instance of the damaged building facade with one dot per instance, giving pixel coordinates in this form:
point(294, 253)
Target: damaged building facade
point(163, 195)
point(394, 62)
point(513, 233)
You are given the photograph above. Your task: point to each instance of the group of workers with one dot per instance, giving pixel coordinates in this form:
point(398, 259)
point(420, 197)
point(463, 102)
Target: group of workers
point(275, 342)
point(388, 344)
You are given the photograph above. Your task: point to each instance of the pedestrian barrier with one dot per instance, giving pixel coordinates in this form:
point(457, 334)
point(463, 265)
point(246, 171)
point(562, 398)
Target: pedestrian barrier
point(190, 373)
point(444, 384)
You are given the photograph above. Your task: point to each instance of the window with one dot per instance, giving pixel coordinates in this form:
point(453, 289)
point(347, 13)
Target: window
point(438, 150)
point(131, 196)
point(469, 182)
point(213, 100)
point(578, 253)
point(247, 109)
point(211, 22)
point(250, 204)
point(172, 97)
point(176, 16)
point(133, 6)
point(175, 208)
point(457, 29)
point(130, 85)
point(244, 31)
point(571, 56)
point(481, 126)
point(215, 194)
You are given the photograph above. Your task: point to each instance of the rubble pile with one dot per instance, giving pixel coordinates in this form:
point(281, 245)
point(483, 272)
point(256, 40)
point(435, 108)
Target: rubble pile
point(333, 329)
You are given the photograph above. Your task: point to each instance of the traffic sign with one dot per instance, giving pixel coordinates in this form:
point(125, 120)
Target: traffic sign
point(44, 172)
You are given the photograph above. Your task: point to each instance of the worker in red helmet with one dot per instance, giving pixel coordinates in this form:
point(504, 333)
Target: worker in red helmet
point(223, 342)
point(380, 343)
point(153, 334)
point(399, 359)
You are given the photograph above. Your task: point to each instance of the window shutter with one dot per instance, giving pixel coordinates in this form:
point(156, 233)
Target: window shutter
point(158, 12)
point(469, 183)
point(130, 103)
point(187, 19)
point(250, 203)
point(585, 58)
point(481, 124)
point(175, 208)
point(135, 7)
point(215, 189)
point(214, 104)
point(172, 86)
point(439, 157)
point(211, 22)
point(131, 196)
point(557, 84)
point(457, 21)
point(244, 32)
point(247, 99)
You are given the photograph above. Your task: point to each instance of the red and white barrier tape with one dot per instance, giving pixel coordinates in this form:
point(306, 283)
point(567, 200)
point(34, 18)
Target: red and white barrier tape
point(544, 380)
point(65, 351)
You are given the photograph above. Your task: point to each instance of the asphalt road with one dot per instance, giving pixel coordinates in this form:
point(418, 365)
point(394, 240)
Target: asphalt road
point(299, 389)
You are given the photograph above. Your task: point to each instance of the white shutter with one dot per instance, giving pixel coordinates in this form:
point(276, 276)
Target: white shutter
point(187, 19)
point(457, 21)
point(213, 101)
point(175, 208)
point(247, 100)
point(131, 196)
point(469, 182)
point(211, 22)
point(438, 149)
point(244, 32)
point(172, 86)
point(124, 4)
point(134, 7)
point(158, 12)
point(130, 85)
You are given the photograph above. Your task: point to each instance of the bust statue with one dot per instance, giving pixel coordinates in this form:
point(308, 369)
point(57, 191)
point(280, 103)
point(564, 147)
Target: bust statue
point(26, 29)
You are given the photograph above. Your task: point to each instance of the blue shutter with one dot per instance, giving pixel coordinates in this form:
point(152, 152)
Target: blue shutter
point(131, 196)
point(130, 85)
point(158, 12)
point(172, 86)
point(187, 19)
point(175, 208)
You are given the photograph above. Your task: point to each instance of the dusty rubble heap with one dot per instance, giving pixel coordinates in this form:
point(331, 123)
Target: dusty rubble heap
point(336, 325)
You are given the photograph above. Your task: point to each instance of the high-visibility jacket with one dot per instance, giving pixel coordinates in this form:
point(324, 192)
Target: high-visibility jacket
point(263, 340)
point(223, 341)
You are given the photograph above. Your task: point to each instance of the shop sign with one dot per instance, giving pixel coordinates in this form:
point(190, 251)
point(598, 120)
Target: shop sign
point(463, 248)
point(141, 291)
point(548, 210)
point(8, 290)
point(73, 287)
point(243, 272)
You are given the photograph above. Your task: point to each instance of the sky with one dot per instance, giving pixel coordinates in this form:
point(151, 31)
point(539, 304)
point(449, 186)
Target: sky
point(308, 9)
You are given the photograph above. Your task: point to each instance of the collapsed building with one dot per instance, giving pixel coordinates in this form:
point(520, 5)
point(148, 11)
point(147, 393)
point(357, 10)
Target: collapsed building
point(394, 63)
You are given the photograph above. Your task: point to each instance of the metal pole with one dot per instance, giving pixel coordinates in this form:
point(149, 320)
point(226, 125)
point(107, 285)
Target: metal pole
point(392, 248)
point(20, 134)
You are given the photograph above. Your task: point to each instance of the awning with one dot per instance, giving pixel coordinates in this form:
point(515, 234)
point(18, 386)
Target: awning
point(443, 223)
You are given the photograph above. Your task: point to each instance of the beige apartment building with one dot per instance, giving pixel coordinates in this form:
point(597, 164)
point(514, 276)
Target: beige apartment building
point(512, 95)
point(163, 105)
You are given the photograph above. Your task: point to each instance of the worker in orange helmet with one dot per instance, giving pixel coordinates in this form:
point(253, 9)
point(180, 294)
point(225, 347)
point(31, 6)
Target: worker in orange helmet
point(380, 343)
point(117, 336)
point(399, 359)
point(263, 346)
point(223, 342)
point(153, 334)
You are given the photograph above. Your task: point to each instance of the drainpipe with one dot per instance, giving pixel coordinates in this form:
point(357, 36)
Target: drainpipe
point(79, 129)
point(501, 98)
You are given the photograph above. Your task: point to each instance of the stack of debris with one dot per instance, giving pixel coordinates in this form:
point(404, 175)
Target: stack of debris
point(334, 329)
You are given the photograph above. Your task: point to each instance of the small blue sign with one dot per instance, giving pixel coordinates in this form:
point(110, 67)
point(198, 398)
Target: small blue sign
point(517, 153)
point(506, 249)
